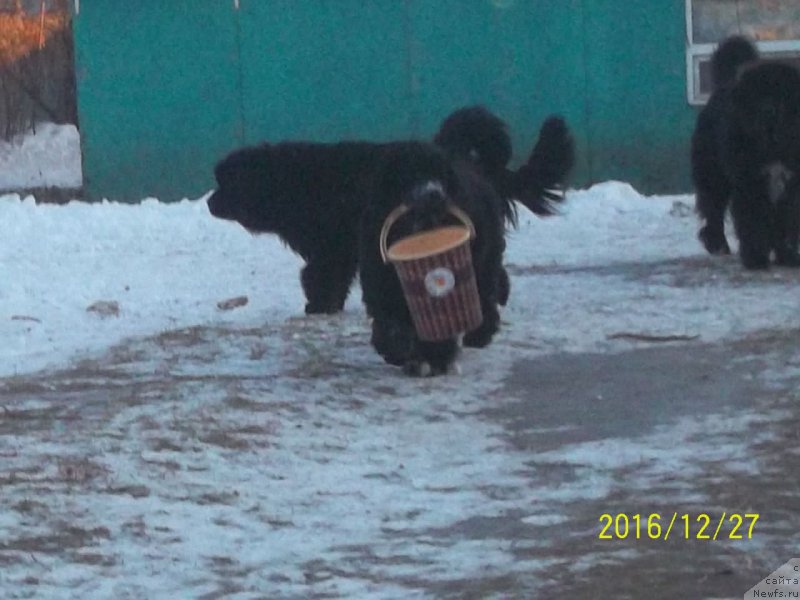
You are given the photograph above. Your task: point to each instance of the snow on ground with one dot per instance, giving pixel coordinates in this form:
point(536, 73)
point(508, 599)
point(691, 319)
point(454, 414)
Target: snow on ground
point(49, 157)
point(167, 266)
point(176, 449)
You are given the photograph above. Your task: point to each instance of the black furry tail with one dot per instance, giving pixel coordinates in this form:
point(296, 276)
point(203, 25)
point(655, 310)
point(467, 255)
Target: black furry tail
point(729, 57)
point(540, 182)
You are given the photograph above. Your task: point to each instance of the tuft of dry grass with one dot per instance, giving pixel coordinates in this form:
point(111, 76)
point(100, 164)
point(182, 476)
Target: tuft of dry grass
point(21, 33)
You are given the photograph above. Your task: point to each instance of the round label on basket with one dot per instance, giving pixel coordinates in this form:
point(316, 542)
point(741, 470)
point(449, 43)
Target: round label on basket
point(439, 282)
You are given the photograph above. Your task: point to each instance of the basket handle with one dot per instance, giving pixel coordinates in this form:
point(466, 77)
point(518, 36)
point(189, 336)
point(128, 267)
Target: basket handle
point(402, 209)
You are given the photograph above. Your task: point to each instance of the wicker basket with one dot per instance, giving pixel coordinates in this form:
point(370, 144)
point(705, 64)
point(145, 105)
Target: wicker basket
point(436, 273)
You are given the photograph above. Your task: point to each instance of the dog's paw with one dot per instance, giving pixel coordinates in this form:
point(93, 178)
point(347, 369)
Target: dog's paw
point(787, 258)
point(482, 336)
point(423, 368)
point(315, 308)
point(395, 342)
point(478, 338)
point(714, 241)
point(755, 261)
point(418, 368)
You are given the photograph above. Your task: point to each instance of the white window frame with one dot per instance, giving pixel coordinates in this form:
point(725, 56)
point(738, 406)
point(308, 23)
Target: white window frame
point(697, 53)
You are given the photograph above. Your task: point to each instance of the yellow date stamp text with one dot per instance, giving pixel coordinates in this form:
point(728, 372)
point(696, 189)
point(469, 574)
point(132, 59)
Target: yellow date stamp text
point(655, 526)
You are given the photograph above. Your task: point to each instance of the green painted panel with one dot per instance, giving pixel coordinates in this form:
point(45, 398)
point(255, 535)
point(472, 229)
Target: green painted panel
point(639, 119)
point(518, 57)
point(166, 88)
point(325, 70)
point(158, 101)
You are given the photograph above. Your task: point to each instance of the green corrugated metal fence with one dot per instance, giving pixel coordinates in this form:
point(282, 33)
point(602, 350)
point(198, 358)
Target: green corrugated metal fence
point(166, 88)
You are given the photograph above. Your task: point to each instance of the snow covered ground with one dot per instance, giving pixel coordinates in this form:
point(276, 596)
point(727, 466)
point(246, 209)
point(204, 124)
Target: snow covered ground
point(168, 265)
point(50, 157)
point(164, 447)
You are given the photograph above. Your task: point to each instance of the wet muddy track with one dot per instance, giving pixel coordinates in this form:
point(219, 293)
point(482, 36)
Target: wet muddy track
point(114, 457)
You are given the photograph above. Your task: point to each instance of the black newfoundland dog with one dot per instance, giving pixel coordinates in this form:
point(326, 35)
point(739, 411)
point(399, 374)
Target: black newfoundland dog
point(746, 154)
point(312, 194)
point(426, 179)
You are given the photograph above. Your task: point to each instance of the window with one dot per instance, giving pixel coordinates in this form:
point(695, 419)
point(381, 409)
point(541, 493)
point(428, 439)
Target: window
point(773, 24)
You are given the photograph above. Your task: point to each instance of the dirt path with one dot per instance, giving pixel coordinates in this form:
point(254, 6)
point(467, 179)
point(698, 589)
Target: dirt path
point(285, 462)
point(725, 417)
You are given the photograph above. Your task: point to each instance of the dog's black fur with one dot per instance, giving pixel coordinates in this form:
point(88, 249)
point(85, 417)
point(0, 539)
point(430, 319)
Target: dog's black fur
point(475, 134)
point(427, 179)
point(311, 194)
point(746, 154)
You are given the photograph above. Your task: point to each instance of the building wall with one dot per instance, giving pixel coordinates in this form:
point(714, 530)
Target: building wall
point(165, 89)
point(638, 118)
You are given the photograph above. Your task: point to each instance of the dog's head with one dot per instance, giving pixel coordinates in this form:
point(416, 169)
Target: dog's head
point(766, 100)
point(421, 177)
point(241, 184)
point(476, 135)
point(729, 59)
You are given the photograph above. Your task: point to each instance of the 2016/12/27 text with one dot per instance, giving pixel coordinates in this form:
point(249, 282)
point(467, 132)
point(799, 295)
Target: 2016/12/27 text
point(733, 526)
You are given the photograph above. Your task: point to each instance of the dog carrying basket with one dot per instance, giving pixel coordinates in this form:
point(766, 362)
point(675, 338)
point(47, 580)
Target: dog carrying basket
point(436, 274)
